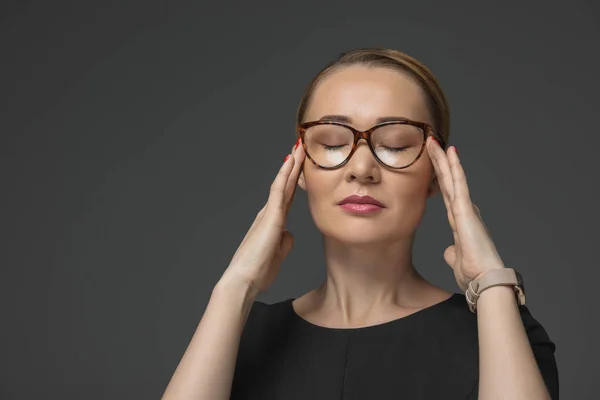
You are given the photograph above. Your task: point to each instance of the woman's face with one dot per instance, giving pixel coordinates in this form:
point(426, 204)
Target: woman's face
point(363, 95)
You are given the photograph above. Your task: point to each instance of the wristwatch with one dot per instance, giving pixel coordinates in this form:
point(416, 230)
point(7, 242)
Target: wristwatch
point(504, 276)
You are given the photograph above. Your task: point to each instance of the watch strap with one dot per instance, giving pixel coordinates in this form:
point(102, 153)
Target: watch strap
point(497, 277)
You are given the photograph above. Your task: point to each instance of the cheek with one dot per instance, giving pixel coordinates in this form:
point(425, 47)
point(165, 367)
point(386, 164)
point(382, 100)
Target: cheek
point(413, 187)
point(414, 183)
point(319, 185)
point(409, 194)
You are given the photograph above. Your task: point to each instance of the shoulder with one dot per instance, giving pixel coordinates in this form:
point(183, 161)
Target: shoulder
point(457, 307)
point(456, 311)
point(268, 313)
point(262, 339)
point(266, 319)
point(543, 350)
point(264, 331)
point(535, 331)
point(542, 346)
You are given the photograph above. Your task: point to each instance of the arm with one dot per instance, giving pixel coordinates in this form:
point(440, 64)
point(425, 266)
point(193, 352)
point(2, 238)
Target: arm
point(507, 365)
point(207, 367)
point(206, 370)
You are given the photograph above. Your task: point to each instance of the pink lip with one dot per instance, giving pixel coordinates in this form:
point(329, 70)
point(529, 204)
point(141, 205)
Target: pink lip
point(361, 208)
point(361, 204)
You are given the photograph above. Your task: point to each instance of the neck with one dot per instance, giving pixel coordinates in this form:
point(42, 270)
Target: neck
point(366, 277)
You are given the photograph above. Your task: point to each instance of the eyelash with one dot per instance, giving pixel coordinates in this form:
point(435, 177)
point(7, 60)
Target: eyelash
point(396, 150)
point(393, 150)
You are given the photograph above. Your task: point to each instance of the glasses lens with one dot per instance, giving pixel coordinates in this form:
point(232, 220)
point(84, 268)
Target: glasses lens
point(328, 145)
point(397, 145)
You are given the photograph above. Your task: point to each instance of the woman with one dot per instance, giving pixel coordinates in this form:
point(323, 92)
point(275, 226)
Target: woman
point(373, 128)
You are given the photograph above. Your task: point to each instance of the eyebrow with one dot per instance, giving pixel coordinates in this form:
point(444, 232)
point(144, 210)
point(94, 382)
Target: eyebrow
point(348, 120)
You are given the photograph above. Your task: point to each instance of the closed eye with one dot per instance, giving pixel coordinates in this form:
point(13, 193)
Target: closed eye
point(395, 149)
point(335, 147)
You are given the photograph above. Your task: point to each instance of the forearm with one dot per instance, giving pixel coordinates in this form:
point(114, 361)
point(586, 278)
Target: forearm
point(508, 369)
point(207, 367)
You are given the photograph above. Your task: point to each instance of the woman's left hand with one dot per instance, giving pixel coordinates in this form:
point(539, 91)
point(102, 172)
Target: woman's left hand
point(473, 252)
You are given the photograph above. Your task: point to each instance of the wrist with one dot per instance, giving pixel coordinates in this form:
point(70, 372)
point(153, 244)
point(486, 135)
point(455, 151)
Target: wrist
point(496, 301)
point(489, 269)
point(236, 289)
point(497, 294)
point(496, 284)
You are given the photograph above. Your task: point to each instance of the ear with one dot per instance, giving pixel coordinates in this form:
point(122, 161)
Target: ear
point(434, 187)
point(301, 181)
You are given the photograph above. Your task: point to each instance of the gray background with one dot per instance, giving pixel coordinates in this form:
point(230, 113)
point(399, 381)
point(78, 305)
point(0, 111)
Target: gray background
point(139, 139)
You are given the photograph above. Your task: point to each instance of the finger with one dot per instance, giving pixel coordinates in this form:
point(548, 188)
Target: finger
point(443, 168)
point(462, 204)
point(292, 183)
point(443, 183)
point(440, 181)
point(461, 189)
point(431, 147)
point(295, 146)
point(277, 191)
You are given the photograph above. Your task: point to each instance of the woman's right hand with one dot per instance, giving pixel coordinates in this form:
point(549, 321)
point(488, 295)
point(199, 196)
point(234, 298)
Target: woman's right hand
point(258, 258)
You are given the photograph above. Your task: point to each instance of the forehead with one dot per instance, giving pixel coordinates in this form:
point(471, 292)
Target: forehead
point(366, 93)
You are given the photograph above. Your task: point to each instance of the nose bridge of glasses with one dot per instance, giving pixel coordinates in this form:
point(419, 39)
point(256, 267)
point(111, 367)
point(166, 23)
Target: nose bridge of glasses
point(364, 135)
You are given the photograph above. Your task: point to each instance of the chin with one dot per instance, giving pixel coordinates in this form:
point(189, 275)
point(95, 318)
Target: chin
point(376, 228)
point(358, 231)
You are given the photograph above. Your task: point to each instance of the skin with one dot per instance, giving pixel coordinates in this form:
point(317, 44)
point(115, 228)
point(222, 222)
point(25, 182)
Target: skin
point(371, 277)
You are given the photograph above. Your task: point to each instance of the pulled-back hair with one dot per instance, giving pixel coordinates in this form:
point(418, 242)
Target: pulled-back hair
point(393, 59)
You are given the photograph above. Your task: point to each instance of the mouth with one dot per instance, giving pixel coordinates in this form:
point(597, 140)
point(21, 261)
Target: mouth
point(361, 204)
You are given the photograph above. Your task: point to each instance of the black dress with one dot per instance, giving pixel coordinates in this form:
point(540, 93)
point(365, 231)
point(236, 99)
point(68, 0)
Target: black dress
point(431, 354)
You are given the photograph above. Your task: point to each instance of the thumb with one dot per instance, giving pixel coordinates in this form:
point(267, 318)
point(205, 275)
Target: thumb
point(286, 243)
point(450, 255)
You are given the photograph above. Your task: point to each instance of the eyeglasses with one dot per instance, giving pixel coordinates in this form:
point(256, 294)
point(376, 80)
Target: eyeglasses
point(394, 144)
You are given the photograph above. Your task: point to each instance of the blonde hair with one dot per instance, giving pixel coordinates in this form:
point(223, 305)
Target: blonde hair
point(394, 59)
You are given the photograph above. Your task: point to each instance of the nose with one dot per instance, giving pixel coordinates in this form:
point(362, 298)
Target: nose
point(362, 166)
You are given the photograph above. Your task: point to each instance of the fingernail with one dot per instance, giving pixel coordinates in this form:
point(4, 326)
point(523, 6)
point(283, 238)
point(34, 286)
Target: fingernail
point(297, 143)
point(435, 140)
point(455, 150)
point(286, 158)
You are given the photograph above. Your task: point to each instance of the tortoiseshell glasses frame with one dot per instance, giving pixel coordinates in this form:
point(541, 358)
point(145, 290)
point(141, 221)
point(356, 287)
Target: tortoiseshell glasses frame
point(366, 135)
